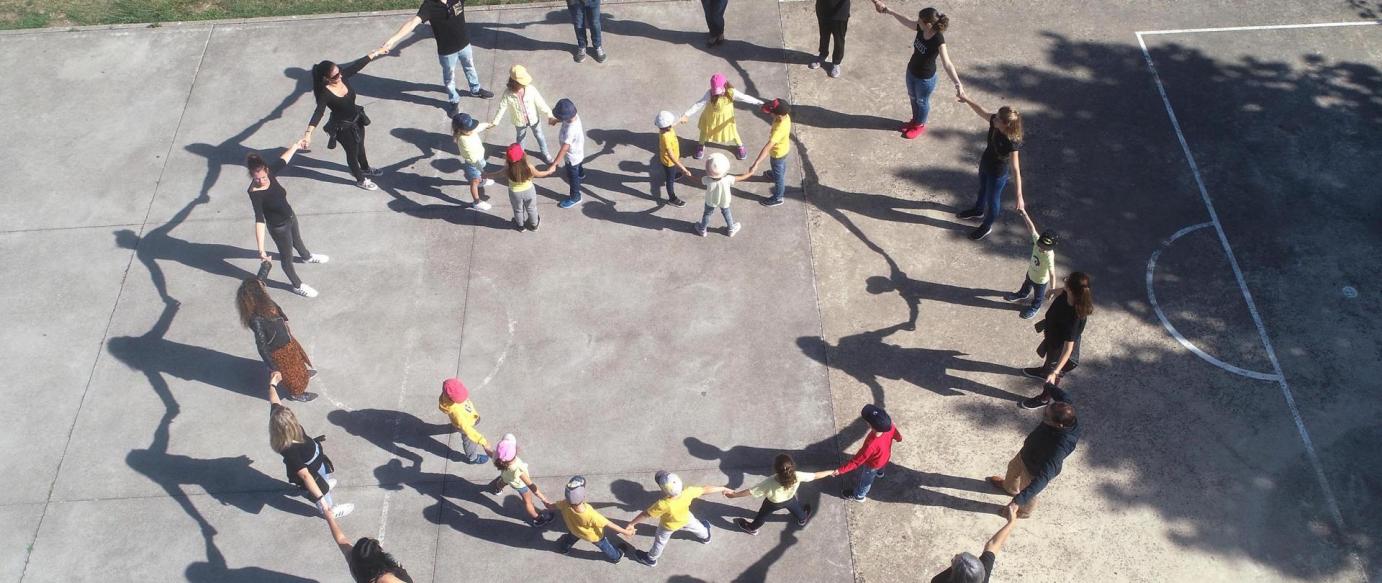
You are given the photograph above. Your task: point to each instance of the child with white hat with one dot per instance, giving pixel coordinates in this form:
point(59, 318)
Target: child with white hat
point(719, 184)
point(674, 508)
point(669, 154)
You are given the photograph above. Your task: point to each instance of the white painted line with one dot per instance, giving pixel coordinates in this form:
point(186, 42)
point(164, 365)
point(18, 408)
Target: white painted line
point(397, 422)
point(508, 342)
point(1267, 27)
point(1310, 453)
point(1166, 323)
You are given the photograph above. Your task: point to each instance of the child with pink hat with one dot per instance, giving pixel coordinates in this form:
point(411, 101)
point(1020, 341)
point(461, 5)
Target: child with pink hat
point(717, 121)
point(719, 184)
point(514, 472)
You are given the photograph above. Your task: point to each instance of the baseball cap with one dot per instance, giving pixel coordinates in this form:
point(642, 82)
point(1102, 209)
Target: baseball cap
point(564, 109)
point(464, 122)
point(455, 390)
point(669, 482)
point(514, 153)
point(877, 418)
point(575, 490)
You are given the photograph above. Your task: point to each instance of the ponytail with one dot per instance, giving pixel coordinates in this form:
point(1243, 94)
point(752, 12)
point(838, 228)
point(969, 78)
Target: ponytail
point(785, 470)
point(1077, 284)
point(935, 18)
point(255, 162)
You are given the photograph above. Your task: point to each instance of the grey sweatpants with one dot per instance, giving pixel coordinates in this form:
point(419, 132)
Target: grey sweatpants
point(524, 206)
point(694, 527)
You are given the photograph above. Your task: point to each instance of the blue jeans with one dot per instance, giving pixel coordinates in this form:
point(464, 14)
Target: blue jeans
point(574, 174)
point(710, 210)
point(670, 174)
point(612, 553)
point(448, 72)
point(473, 171)
point(522, 131)
point(990, 200)
point(715, 16)
point(585, 15)
point(866, 477)
point(1040, 288)
point(919, 91)
point(779, 166)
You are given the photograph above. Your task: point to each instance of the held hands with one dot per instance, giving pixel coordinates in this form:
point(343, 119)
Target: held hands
point(880, 7)
point(682, 120)
point(379, 52)
point(275, 378)
point(1010, 511)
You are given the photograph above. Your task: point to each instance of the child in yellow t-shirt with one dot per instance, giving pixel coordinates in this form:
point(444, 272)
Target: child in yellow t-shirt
point(585, 523)
point(669, 154)
point(776, 150)
point(674, 508)
point(1041, 270)
point(455, 402)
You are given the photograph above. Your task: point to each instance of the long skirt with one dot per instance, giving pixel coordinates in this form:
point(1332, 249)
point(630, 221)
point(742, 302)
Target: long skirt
point(291, 361)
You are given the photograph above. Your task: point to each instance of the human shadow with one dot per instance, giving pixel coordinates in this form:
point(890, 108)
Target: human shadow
point(397, 432)
point(155, 356)
point(819, 117)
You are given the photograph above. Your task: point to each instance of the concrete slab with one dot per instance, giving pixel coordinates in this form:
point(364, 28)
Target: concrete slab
point(22, 522)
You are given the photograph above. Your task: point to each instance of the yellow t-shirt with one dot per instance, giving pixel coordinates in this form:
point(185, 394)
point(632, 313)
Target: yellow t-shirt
point(776, 492)
point(520, 186)
point(586, 522)
point(464, 417)
point(780, 137)
point(676, 511)
point(1043, 263)
point(513, 476)
point(472, 148)
point(668, 147)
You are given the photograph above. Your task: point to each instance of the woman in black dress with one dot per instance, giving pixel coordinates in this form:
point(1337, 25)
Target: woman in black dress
point(348, 120)
point(1062, 327)
point(273, 214)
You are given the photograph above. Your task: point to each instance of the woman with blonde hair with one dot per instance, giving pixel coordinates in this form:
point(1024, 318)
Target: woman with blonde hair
point(999, 164)
point(303, 457)
point(277, 346)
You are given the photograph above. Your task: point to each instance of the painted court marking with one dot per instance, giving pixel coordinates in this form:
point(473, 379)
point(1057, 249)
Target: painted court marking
point(1330, 501)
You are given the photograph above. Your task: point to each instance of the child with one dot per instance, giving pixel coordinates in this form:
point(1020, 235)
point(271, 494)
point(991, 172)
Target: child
point(669, 153)
point(778, 491)
point(583, 522)
point(874, 455)
point(466, 130)
point(779, 144)
point(520, 174)
point(527, 104)
point(455, 402)
point(514, 472)
point(718, 184)
point(1040, 273)
point(675, 511)
point(717, 122)
point(572, 149)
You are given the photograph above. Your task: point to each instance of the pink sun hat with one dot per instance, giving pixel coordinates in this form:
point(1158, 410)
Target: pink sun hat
point(717, 84)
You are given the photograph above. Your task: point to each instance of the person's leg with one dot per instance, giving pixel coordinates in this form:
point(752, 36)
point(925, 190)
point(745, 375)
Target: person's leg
point(298, 244)
point(573, 179)
point(592, 20)
point(612, 553)
point(541, 142)
point(823, 24)
point(697, 529)
point(467, 60)
point(350, 142)
point(578, 21)
point(516, 201)
point(993, 204)
point(913, 96)
point(838, 29)
point(530, 207)
point(474, 454)
point(659, 542)
point(669, 178)
point(283, 239)
point(1016, 478)
point(519, 132)
point(764, 510)
point(475, 178)
point(363, 157)
point(924, 89)
point(793, 507)
point(866, 477)
point(565, 542)
point(528, 503)
point(1022, 292)
point(448, 76)
point(729, 217)
point(1039, 297)
point(705, 219)
point(779, 166)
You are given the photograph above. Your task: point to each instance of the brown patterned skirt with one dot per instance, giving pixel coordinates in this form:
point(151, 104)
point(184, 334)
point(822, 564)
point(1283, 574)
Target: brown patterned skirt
point(291, 361)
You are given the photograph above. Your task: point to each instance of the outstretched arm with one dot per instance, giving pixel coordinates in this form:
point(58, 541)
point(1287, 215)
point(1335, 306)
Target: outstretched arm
point(402, 32)
point(548, 171)
point(1031, 227)
point(903, 20)
point(995, 543)
point(637, 520)
point(342, 541)
point(978, 109)
point(950, 69)
point(695, 108)
point(273, 387)
point(1016, 162)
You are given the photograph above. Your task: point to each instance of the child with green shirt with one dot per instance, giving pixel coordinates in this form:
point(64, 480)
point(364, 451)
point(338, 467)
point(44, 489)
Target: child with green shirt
point(674, 508)
point(1040, 273)
point(778, 491)
point(585, 523)
point(455, 402)
point(776, 150)
point(466, 131)
point(669, 154)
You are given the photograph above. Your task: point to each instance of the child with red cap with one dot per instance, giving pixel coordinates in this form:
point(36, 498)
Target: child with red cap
point(520, 174)
point(776, 150)
point(874, 455)
point(455, 402)
point(717, 122)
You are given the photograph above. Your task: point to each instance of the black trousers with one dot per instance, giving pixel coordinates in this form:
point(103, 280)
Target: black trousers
point(832, 28)
point(715, 16)
point(793, 506)
point(288, 239)
point(353, 142)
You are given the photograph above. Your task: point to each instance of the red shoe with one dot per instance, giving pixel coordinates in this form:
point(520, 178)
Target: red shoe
point(914, 131)
point(907, 126)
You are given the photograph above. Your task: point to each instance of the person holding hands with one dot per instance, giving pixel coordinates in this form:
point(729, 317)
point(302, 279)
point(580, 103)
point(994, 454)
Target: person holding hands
point(674, 510)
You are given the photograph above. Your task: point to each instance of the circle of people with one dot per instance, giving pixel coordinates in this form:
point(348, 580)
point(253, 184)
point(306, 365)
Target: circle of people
point(1038, 461)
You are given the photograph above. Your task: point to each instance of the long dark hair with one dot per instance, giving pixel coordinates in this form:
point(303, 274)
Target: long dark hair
point(253, 300)
point(934, 18)
point(520, 171)
point(785, 470)
point(1081, 296)
point(319, 73)
point(368, 562)
point(254, 162)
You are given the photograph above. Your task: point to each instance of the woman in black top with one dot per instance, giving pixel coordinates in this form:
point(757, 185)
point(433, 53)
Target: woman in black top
point(275, 342)
point(1062, 327)
point(273, 214)
point(303, 457)
point(348, 120)
point(928, 46)
point(999, 164)
point(366, 559)
point(832, 18)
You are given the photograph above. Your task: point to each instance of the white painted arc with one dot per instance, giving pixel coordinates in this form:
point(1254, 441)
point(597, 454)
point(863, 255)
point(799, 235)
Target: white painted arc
point(1166, 323)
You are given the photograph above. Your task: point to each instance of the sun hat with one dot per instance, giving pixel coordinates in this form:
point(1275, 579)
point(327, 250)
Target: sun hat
point(519, 73)
point(464, 122)
point(514, 153)
point(664, 120)
point(877, 418)
point(455, 390)
point(716, 165)
point(669, 482)
point(575, 490)
point(507, 449)
point(564, 110)
point(717, 84)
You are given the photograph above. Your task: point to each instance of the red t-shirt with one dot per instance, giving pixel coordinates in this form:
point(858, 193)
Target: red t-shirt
point(877, 450)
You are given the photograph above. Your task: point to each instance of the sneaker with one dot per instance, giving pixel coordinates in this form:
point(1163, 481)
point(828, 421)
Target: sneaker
point(700, 153)
point(318, 258)
point(331, 483)
point(372, 172)
point(303, 398)
point(305, 291)
point(806, 510)
point(744, 524)
point(580, 55)
point(914, 131)
point(741, 153)
point(834, 71)
point(519, 226)
point(1035, 372)
point(570, 202)
point(482, 206)
point(564, 548)
point(487, 183)
point(1028, 313)
point(848, 494)
point(533, 225)
point(969, 214)
point(642, 558)
point(311, 373)
point(479, 459)
point(342, 510)
point(735, 228)
point(907, 126)
point(813, 65)
point(699, 230)
point(367, 184)
point(676, 202)
point(482, 93)
point(980, 233)
point(1033, 403)
point(708, 534)
point(1014, 297)
point(600, 55)
point(543, 519)
point(771, 202)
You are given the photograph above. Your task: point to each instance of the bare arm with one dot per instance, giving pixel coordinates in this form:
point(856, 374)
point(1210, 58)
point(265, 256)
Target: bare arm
point(273, 387)
point(259, 240)
point(287, 156)
point(637, 520)
point(1031, 227)
point(403, 31)
point(342, 541)
point(715, 490)
point(312, 489)
point(1067, 348)
point(950, 69)
point(544, 173)
point(978, 109)
point(536, 492)
point(561, 153)
point(624, 530)
point(995, 543)
point(762, 154)
point(1016, 163)
point(907, 22)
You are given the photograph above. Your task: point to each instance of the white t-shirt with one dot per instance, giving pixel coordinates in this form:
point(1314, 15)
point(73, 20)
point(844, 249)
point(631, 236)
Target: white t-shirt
point(718, 191)
point(572, 133)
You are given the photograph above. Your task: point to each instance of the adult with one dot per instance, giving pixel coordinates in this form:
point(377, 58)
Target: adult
point(585, 16)
point(275, 342)
point(273, 214)
point(873, 457)
point(1042, 455)
point(1061, 330)
point(453, 46)
point(366, 559)
point(967, 568)
point(306, 461)
point(999, 164)
point(715, 20)
point(832, 18)
point(927, 47)
point(348, 120)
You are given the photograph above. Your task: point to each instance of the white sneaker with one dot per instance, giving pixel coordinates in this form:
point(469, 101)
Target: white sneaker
point(342, 510)
point(305, 291)
point(482, 206)
point(318, 258)
point(735, 228)
point(487, 182)
point(367, 184)
point(331, 483)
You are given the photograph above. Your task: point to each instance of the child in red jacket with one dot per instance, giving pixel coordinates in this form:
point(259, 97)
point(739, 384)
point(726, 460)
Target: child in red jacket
point(874, 455)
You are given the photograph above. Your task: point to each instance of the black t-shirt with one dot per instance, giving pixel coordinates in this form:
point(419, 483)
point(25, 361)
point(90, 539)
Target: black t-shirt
point(448, 24)
point(998, 150)
point(987, 559)
point(271, 204)
point(924, 54)
point(342, 106)
point(1063, 324)
point(832, 9)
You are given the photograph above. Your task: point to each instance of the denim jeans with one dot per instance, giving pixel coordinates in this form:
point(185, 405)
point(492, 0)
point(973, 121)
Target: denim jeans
point(866, 477)
point(474, 454)
point(919, 91)
point(448, 72)
point(1039, 288)
point(710, 210)
point(779, 166)
point(522, 131)
point(574, 174)
point(326, 497)
point(612, 553)
point(990, 200)
point(585, 15)
point(670, 174)
point(715, 16)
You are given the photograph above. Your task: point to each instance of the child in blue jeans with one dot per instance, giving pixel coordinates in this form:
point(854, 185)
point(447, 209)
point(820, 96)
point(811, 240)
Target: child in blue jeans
point(719, 185)
point(776, 150)
point(1040, 273)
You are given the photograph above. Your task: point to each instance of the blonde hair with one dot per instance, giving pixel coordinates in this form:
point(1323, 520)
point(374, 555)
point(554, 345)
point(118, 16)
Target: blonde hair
point(284, 429)
point(1013, 117)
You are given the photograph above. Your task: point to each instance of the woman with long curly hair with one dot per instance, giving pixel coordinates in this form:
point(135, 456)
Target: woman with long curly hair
point(303, 457)
point(1062, 327)
point(277, 346)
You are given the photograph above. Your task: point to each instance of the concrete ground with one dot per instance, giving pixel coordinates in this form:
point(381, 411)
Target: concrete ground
point(614, 342)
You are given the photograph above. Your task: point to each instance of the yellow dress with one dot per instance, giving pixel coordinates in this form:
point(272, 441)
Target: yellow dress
point(717, 121)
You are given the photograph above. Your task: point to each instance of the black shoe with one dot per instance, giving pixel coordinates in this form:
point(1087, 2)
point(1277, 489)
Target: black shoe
point(1036, 372)
point(676, 202)
point(311, 373)
point(744, 524)
point(303, 398)
point(642, 558)
point(1033, 403)
point(564, 548)
point(482, 94)
point(580, 54)
point(970, 214)
point(532, 226)
point(519, 226)
point(806, 510)
point(600, 57)
point(980, 233)
point(771, 202)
